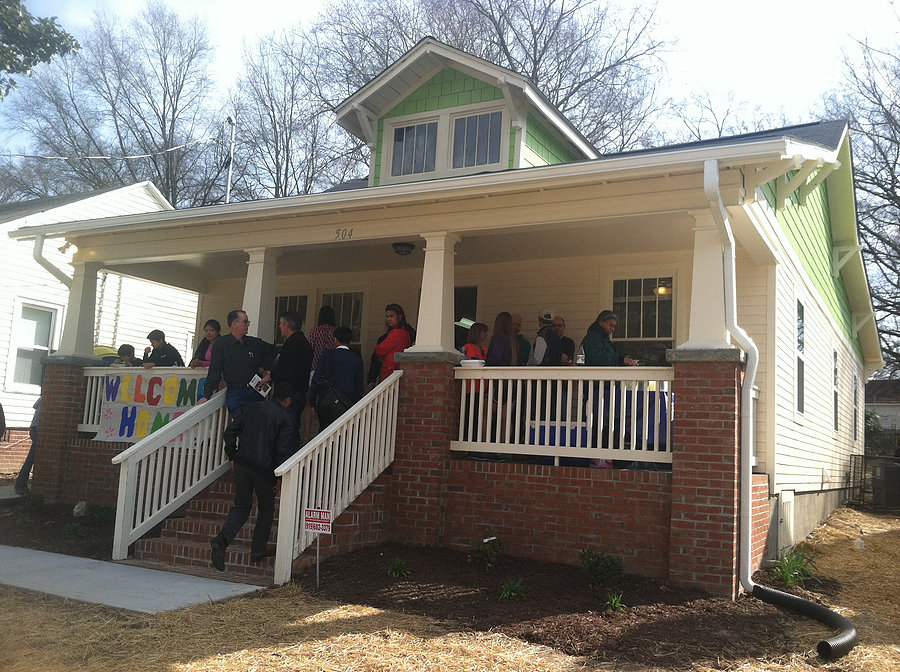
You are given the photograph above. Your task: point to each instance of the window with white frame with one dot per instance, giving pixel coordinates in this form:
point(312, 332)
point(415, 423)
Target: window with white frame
point(477, 139)
point(855, 407)
point(644, 307)
point(800, 383)
point(35, 335)
point(283, 304)
point(834, 377)
point(348, 312)
point(414, 149)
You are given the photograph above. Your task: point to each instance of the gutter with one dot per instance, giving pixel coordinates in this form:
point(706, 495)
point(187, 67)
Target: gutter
point(847, 638)
point(38, 254)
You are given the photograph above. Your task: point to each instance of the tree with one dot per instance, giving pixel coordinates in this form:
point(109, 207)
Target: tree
point(597, 66)
point(870, 99)
point(142, 90)
point(704, 116)
point(26, 40)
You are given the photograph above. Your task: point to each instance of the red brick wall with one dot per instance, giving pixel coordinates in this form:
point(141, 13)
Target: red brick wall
point(14, 450)
point(703, 549)
point(761, 518)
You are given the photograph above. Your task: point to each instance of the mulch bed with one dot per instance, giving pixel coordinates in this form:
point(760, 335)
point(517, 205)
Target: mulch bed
point(559, 609)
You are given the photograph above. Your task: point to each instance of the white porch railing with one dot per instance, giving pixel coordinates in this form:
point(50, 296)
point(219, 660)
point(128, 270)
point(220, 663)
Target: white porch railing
point(166, 469)
point(602, 413)
point(335, 467)
point(96, 387)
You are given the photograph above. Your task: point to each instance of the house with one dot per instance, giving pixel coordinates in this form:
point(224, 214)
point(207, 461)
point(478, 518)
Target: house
point(734, 266)
point(36, 292)
point(883, 399)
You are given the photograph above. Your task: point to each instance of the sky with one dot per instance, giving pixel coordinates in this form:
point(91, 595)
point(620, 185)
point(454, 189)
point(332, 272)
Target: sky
point(779, 54)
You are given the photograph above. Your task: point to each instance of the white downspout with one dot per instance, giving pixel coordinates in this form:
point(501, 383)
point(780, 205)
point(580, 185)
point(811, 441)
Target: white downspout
point(38, 254)
point(720, 215)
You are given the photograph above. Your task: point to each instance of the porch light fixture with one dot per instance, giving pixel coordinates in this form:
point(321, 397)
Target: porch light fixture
point(403, 249)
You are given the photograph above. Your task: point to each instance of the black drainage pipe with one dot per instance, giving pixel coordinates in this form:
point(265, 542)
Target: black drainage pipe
point(828, 649)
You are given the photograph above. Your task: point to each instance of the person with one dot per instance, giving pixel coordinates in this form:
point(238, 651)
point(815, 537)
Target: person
point(256, 443)
point(202, 355)
point(291, 375)
point(25, 471)
point(476, 347)
point(337, 382)
point(238, 358)
point(567, 344)
point(398, 339)
point(524, 345)
point(126, 356)
point(598, 349)
point(547, 350)
point(321, 338)
point(160, 353)
point(503, 351)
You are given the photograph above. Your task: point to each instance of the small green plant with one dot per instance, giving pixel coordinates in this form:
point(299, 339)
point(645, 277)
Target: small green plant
point(512, 589)
point(31, 504)
point(601, 567)
point(397, 568)
point(793, 566)
point(614, 602)
point(99, 516)
point(486, 552)
point(74, 530)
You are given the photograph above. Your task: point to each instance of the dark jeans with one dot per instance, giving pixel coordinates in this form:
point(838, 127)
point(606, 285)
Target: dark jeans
point(238, 397)
point(246, 482)
point(22, 479)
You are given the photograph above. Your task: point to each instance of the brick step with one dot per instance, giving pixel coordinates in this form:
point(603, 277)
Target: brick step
point(203, 529)
point(207, 572)
point(183, 555)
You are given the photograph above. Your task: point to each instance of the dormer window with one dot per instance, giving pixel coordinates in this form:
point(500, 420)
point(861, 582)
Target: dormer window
point(457, 141)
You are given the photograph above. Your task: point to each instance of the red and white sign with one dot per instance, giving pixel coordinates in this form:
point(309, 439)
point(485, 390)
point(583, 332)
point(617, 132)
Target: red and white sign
point(317, 520)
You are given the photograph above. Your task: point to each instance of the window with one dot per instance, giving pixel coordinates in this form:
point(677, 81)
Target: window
point(282, 305)
point(477, 140)
point(414, 149)
point(855, 407)
point(465, 306)
point(348, 311)
point(835, 389)
point(34, 340)
point(644, 307)
point(801, 361)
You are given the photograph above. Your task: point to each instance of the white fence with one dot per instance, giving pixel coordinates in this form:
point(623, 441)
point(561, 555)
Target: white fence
point(568, 415)
point(96, 387)
point(166, 469)
point(334, 468)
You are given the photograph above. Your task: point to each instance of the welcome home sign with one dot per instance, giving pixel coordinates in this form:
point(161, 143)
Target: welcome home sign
point(136, 404)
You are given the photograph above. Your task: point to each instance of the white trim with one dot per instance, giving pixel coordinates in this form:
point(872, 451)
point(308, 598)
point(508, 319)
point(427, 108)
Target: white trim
point(57, 320)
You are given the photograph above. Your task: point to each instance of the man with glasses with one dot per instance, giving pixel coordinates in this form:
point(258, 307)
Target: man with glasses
point(238, 357)
point(567, 344)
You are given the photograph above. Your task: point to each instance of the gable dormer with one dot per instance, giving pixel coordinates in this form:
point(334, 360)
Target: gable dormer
point(439, 112)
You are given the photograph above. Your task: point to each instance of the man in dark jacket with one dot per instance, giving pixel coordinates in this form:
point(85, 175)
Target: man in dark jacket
point(340, 370)
point(160, 353)
point(257, 442)
point(291, 375)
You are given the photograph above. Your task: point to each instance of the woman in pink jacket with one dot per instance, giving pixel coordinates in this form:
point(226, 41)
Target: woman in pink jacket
point(398, 339)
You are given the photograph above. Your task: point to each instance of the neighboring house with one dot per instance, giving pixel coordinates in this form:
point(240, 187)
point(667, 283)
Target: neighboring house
point(509, 208)
point(883, 399)
point(35, 294)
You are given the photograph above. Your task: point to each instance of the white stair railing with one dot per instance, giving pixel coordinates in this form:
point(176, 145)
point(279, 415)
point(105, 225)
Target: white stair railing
point(166, 469)
point(580, 412)
point(335, 467)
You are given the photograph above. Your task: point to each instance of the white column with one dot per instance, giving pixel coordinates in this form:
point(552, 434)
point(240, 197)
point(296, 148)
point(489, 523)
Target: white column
point(259, 292)
point(434, 326)
point(707, 323)
point(78, 331)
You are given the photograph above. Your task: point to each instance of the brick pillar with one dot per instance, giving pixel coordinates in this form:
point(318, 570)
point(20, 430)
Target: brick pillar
point(703, 541)
point(62, 405)
point(427, 420)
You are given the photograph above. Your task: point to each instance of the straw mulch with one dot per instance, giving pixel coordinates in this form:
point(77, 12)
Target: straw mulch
point(291, 629)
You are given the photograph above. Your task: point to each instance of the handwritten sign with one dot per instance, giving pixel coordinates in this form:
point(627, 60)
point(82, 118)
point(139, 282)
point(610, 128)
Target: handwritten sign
point(136, 404)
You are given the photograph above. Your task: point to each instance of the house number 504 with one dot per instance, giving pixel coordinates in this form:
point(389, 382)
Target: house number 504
point(343, 234)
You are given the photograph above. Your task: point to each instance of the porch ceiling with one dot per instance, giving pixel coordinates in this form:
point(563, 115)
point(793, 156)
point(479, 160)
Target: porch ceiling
point(615, 235)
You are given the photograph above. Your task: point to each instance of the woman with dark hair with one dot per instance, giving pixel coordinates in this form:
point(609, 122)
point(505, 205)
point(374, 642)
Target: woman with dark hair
point(476, 341)
point(399, 338)
point(598, 349)
point(501, 352)
point(211, 330)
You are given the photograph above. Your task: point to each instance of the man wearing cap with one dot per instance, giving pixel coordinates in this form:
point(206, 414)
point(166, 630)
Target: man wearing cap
point(160, 353)
point(547, 350)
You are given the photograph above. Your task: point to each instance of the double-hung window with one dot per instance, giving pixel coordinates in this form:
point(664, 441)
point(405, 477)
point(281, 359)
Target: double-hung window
point(34, 336)
point(644, 308)
point(800, 384)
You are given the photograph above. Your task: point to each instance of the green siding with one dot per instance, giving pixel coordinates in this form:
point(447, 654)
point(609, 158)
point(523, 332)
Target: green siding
point(545, 144)
point(448, 88)
point(808, 228)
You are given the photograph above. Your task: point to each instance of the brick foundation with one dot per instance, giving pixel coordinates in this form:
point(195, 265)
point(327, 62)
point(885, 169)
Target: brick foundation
point(14, 450)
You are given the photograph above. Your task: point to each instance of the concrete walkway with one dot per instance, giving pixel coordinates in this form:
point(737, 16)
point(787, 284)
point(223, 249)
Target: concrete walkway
point(148, 591)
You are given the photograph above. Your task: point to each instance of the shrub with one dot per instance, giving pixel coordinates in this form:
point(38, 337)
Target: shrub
point(601, 567)
point(32, 504)
point(397, 568)
point(486, 552)
point(614, 602)
point(74, 530)
point(793, 566)
point(512, 589)
point(99, 516)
